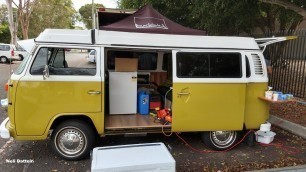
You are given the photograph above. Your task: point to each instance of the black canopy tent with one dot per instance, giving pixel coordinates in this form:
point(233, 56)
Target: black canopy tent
point(148, 20)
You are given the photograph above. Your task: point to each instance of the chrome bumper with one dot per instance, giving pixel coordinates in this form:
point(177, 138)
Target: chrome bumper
point(4, 103)
point(4, 132)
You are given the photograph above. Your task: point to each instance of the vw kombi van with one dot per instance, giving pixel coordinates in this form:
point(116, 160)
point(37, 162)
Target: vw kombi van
point(211, 84)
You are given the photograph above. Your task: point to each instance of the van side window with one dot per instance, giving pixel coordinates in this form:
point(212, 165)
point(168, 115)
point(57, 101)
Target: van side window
point(167, 65)
point(208, 65)
point(146, 60)
point(248, 70)
point(63, 61)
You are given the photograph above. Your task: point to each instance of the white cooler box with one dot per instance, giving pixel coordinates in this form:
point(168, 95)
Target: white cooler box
point(136, 157)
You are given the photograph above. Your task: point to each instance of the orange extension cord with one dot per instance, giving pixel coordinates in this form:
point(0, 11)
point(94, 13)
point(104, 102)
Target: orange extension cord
point(290, 150)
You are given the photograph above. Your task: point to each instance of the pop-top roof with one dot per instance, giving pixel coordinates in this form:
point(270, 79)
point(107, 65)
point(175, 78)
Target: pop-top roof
point(158, 41)
point(65, 35)
point(148, 20)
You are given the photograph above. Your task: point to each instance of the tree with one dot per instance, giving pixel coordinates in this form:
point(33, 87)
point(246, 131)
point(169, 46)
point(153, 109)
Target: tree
point(13, 24)
point(3, 14)
point(5, 36)
point(51, 14)
point(219, 17)
point(86, 14)
point(229, 17)
point(298, 6)
point(24, 13)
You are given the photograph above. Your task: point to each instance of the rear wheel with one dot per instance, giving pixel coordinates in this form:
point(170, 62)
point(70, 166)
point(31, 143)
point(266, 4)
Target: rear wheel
point(73, 140)
point(220, 140)
point(3, 59)
point(20, 57)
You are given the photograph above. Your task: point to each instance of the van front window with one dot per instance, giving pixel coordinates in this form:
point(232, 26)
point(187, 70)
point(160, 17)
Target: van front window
point(65, 61)
point(22, 65)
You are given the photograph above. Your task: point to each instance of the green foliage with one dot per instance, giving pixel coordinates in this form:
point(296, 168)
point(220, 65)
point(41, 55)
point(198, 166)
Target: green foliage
point(3, 13)
point(86, 14)
point(225, 17)
point(270, 14)
point(218, 16)
point(5, 36)
point(58, 14)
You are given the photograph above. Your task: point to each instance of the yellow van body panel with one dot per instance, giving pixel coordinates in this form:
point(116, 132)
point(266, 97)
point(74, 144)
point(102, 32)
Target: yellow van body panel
point(11, 108)
point(97, 119)
point(256, 110)
point(38, 103)
point(208, 107)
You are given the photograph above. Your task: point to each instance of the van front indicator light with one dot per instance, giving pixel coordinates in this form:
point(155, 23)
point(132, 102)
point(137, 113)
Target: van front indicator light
point(6, 87)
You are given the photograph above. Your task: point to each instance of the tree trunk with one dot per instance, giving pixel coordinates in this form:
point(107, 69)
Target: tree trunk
point(302, 25)
point(13, 26)
point(24, 12)
point(25, 32)
point(288, 5)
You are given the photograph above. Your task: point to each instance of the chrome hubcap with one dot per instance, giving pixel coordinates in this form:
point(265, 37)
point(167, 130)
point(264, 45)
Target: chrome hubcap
point(71, 141)
point(223, 138)
point(3, 59)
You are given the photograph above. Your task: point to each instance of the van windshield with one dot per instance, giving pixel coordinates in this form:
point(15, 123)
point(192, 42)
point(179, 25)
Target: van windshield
point(22, 65)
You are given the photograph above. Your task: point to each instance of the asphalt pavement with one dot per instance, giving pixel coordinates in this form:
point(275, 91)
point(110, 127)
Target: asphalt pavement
point(287, 150)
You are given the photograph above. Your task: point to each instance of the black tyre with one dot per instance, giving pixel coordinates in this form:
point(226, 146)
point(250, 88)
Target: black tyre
point(250, 139)
point(3, 59)
point(20, 57)
point(73, 140)
point(220, 140)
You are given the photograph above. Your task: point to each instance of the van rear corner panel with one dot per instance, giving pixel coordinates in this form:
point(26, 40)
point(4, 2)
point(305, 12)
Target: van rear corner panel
point(256, 110)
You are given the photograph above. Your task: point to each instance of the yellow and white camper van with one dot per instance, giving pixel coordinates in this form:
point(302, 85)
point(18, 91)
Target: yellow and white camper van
point(208, 84)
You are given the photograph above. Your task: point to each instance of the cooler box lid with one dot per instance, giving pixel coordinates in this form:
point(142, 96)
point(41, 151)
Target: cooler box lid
point(134, 157)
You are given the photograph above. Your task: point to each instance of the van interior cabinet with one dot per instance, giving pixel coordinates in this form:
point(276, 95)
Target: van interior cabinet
point(122, 92)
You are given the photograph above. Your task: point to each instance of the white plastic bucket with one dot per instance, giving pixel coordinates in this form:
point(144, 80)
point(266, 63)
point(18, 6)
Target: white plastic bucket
point(265, 127)
point(265, 137)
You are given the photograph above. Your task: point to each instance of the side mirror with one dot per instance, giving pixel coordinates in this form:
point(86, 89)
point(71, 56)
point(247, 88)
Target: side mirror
point(46, 72)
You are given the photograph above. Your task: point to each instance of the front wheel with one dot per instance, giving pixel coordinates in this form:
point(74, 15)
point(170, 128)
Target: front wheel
point(220, 140)
point(72, 140)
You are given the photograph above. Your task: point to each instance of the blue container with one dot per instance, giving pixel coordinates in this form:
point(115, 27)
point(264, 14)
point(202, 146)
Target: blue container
point(143, 103)
point(280, 95)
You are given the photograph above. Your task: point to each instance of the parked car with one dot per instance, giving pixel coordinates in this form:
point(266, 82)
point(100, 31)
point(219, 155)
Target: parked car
point(22, 53)
point(7, 53)
point(91, 56)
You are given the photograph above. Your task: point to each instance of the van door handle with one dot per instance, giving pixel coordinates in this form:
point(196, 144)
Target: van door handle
point(93, 92)
point(181, 93)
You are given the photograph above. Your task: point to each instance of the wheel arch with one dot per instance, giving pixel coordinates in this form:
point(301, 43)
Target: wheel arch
point(66, 117)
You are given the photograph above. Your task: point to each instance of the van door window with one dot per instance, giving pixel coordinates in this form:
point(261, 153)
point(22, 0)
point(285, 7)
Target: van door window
point(208, 65)
point(63, 61)
point(167, 65)
point(59, 60)
point(40, 61)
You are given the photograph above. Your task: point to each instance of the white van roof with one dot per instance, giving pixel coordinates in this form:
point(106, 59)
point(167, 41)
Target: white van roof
point(115, 38)
point(65, 36)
